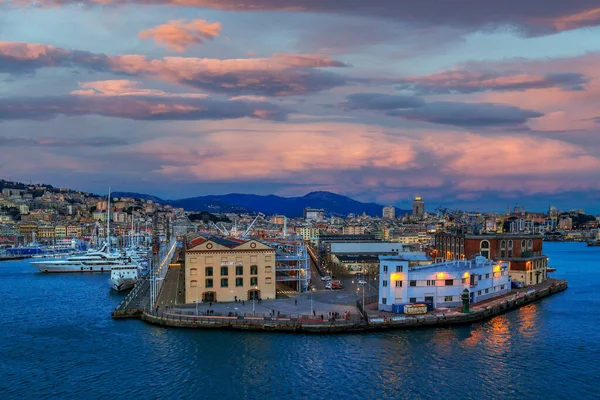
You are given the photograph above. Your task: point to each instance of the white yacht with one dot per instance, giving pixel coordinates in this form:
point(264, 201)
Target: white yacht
point(91, 262)
point(123, 277)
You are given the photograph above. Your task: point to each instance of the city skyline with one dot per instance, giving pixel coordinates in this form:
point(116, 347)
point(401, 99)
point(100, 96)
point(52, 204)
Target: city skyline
point(381, 103)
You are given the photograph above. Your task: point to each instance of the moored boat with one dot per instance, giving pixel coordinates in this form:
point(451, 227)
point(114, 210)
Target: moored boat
point(124, 277)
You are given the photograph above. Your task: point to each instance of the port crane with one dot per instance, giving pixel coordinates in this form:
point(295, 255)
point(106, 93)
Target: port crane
point(245, 234)
point(221, 228)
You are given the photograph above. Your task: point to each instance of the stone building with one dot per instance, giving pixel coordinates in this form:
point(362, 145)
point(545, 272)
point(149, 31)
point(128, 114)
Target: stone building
point(523, 252)
point(219, 269)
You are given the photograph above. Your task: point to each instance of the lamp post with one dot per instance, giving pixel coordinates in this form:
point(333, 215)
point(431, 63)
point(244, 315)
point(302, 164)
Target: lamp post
point(253, 297)
point(311, 302)
point(197, 298)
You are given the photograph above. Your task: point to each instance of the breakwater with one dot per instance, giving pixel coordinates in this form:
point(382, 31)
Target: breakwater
point(306, 325)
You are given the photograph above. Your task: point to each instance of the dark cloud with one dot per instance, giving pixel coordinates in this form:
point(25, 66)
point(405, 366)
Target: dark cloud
point(531, 17)
point(150, 108)
point(467, 114)
point(62, 143)
point(380, 101)
point(440, 112)
point(279, 75)
point(465, 81)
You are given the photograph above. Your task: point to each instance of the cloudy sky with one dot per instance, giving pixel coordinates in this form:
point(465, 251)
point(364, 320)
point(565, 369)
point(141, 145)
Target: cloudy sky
point(470, 103)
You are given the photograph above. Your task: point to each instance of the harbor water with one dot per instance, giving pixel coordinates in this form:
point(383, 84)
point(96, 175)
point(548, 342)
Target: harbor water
point(57, 340)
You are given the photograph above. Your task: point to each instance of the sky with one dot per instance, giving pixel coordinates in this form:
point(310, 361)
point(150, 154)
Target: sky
point(470, 104)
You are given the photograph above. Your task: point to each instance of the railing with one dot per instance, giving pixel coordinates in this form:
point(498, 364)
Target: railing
point(258, 318)
point(158, 272)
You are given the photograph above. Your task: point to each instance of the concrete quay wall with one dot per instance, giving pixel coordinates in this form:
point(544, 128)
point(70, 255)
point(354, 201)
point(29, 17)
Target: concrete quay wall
point(431, 320)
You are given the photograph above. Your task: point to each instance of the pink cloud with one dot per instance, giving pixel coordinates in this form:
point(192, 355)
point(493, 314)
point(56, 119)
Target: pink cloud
point(123, 87)
point(279, 75)
point(178, 35)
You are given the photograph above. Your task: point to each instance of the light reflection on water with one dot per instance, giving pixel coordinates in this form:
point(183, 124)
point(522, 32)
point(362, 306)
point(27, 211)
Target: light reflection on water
point(58, 341)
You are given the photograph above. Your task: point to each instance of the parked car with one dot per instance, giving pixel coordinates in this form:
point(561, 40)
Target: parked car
point(326, 278)
point(336, 285)
point(328, 286)
point(361, 282)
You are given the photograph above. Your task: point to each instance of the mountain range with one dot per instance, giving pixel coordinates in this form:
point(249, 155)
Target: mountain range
point(331, 203)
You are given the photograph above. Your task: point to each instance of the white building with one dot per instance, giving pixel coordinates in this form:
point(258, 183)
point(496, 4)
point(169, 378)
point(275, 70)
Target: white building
point(389, 212)
point(314, 214)
point(402, 282)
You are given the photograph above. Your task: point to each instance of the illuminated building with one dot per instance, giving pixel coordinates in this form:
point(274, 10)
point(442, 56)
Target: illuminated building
point(523, 252)
point(406, 281)
point(418, 208)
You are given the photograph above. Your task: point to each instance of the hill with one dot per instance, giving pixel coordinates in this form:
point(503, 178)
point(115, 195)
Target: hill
point(333, 204)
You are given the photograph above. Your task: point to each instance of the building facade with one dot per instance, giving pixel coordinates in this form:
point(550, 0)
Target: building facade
point(218, 269)
point(308, 233)
point(389, 212)
point(418, 208)
point(523, 252)
point(353, 230)
point(441, 284)
point(314, 214)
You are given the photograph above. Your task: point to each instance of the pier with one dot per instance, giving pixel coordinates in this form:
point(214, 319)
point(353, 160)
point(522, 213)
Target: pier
point(146, 291)
point(164, 316)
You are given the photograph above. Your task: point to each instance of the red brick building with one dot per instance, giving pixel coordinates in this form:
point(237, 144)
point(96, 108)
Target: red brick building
point(523, 253)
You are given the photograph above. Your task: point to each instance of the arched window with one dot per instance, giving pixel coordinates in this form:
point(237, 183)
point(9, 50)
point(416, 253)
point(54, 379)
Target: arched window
point(530, 244)
point(510, 248)
point(523, 248)
point(484, 248)
point(503, 244)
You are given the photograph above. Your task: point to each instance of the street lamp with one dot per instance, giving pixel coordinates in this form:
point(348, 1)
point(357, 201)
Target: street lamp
point(197, 285)
point(253, 297)
point(311, 302)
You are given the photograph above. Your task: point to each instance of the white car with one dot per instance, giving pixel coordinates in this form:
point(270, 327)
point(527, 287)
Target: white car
point(328, 286)
point(326, 278)
point(362, 282)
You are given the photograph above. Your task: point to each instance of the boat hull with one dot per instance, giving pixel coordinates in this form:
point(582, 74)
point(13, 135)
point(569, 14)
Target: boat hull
point(49, 269)
point(122, 284)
